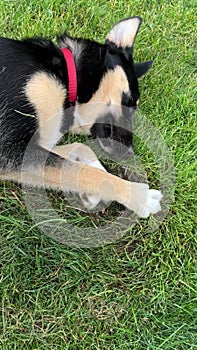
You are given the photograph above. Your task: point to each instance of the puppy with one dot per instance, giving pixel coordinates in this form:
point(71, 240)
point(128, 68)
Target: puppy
point(39, 82)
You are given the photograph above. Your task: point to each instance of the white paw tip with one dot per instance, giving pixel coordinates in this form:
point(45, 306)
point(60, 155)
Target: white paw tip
point(153, 201)
point(155, 194)
point(152, 205)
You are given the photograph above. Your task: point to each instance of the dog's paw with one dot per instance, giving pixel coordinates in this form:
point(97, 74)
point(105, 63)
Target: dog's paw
point(89, 201)
point(142, 200)
point(151, 204)
point(85, 155)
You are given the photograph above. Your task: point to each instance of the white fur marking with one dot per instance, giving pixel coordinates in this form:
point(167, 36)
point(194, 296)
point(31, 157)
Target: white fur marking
point(151, 205)
point(123, 33)
point(96, 164)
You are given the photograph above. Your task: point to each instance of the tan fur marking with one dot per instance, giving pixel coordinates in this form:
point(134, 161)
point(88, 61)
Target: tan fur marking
point(79, 152)
point(107, 98)
point(111, 87)
point(75, 150)
point(47, 96)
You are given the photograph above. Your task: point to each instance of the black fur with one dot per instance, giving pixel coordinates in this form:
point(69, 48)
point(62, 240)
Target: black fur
point(18, 61)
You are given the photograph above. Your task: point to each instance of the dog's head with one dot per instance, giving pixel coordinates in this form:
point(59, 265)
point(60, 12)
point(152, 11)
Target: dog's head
point(108, 91)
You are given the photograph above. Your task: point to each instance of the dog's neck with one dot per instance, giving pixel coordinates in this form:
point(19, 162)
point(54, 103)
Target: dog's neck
point(89, 57)
point(72, 76)
point(89, 61)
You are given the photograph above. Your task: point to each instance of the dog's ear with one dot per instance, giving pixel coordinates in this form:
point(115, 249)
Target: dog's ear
point(124, 32)
point(142, 68)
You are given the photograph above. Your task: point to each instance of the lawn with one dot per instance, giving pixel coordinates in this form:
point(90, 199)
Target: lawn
point(140, 291)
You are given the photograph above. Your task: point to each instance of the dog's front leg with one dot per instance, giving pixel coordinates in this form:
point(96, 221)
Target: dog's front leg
point(84, 154)
point(82, 179)
point(79, 152)
point(107, 187)
point(79, 178)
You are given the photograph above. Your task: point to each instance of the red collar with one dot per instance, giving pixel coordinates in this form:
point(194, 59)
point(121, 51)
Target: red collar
point(72, 75)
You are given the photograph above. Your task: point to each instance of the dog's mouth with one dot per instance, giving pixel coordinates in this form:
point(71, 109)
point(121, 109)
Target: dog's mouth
point(119, 151)
point(114, 140)
point(112, 131)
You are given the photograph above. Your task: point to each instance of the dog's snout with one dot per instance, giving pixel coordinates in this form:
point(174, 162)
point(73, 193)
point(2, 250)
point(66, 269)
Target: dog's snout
point(114, 137)
point(133, 108)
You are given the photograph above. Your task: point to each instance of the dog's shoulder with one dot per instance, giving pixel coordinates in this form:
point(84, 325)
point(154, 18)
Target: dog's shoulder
point(33, 89)
point(32, 54)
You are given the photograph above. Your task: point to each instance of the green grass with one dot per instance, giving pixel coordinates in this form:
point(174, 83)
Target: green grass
point(141, 291)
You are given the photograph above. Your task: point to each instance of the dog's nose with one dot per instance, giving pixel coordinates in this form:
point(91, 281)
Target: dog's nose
point(133, 108)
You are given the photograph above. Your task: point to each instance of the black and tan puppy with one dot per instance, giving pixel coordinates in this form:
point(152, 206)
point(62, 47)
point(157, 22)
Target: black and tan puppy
point(38, 83)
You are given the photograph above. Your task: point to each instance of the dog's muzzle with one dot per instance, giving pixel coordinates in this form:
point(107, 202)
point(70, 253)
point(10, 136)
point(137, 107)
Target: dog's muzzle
point(115, 138)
